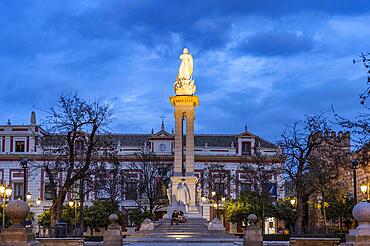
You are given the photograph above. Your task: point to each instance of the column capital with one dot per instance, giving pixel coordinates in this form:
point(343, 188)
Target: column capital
point(179, 114)
point(189, 114)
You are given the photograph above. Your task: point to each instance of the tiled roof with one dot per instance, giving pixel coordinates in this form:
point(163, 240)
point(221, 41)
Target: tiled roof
point(200, 140)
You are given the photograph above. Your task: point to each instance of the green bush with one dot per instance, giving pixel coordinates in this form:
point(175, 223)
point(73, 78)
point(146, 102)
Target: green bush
point(276, 237)
point(93, 238)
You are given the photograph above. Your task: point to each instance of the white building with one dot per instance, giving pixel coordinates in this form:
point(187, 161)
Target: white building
point(23, 141)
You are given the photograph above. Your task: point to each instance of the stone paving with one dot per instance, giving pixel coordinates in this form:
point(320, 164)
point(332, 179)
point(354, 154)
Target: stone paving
point(182, 244)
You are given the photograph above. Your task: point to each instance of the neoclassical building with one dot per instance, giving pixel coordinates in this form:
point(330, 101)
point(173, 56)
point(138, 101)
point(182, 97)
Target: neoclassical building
point(24, 141)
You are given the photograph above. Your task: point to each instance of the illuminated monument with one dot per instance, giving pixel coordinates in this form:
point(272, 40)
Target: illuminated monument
point(183, 193)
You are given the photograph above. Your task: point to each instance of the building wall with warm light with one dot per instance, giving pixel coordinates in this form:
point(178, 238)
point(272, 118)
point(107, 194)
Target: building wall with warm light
point(23, 141)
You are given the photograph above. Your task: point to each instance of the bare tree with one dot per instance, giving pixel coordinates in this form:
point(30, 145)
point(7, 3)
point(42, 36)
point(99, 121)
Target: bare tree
point(154, 179)
point(106, 179)
point(298, 142)
point(365, 60)
point(259, 170)
point(71, 145)
point(329, 161)
point(216, 180)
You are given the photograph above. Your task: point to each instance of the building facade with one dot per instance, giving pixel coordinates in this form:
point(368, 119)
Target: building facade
point(229, 150)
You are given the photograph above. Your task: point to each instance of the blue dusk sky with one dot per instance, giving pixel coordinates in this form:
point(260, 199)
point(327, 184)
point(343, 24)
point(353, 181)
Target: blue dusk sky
point(263, 63)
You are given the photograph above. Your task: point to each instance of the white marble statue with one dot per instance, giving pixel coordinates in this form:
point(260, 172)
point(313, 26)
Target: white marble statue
point(184, 84)
point(183, 194)
point(186, 66)
point(147, 225)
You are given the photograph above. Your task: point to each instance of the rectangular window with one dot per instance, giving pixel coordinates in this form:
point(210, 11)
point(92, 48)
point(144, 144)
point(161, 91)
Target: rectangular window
point(19, 146)
point(246, 148)
point(220, 188)
point(131, 190)
point(18, 190)
point(47, 191)
point(244, 188)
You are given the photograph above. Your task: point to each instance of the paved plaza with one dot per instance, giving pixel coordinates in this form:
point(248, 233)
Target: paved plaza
point(182, 244)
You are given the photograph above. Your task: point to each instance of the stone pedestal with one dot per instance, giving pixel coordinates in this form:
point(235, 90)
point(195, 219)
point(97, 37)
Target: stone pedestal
point(113, 234)
point(19, 236)
point(360, 235)
point(252, 236)
point(253, 233)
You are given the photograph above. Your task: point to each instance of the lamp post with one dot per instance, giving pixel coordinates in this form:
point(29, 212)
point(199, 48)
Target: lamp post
point(24, 164)
point(5, 191)
point(217, 197)
point(354, 167)
point(73, 203)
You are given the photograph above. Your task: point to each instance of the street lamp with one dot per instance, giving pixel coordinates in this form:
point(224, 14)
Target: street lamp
point(38, 201)
point(5, 191)
point(29, 202)
point(292, 201)
point(365, 190)
point(28, 196)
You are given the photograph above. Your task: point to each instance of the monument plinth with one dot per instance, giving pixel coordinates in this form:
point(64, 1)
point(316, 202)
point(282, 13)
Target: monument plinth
point(17, 234)
point(183, 190)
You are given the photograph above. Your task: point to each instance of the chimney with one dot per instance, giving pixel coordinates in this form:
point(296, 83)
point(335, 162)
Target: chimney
point(33, 118)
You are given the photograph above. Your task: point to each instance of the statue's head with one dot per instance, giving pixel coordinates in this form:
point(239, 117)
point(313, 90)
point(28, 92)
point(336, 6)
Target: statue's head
point(185, 51)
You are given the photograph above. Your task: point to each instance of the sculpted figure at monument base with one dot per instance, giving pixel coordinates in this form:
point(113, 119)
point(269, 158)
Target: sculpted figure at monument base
point(183, 197)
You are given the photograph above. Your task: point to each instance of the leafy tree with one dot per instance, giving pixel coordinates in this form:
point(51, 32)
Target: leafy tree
point(238, 210)
point(97, 215)
point(340, 206)
point(138, 216)
point(44, 219)
point(299, 142)
point(284, 210)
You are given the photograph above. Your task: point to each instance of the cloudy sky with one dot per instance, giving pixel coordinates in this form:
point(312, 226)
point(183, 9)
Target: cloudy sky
point(261, 63)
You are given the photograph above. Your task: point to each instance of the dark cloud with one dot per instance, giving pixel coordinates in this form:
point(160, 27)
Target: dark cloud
point(129, 50)
point(275, 43)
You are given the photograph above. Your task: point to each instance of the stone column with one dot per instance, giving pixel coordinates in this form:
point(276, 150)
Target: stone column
point(190, 143)
point(178, 143)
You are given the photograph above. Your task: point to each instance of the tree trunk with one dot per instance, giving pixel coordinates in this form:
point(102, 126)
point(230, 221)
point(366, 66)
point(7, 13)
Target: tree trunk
point(82, 200)
point(300, 212)
point(57, 207)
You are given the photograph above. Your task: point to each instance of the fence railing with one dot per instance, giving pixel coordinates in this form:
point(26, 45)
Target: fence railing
point(61, 230)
